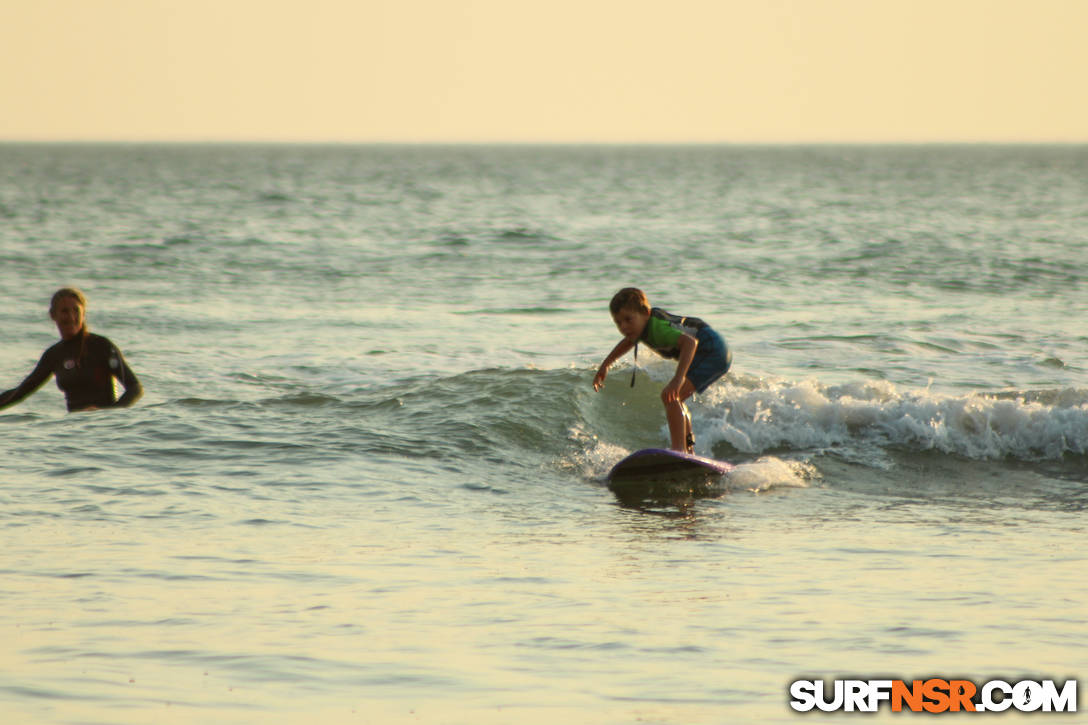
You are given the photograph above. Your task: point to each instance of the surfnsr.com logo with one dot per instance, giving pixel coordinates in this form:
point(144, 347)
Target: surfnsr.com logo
point(933, 696)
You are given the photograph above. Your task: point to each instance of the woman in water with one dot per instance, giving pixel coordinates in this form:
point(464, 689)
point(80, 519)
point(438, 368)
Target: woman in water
point(85, 364)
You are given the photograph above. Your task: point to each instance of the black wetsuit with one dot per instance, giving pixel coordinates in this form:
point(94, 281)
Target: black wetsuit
point(85, 366)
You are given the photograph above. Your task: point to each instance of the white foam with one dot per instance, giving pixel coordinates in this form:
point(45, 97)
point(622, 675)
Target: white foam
point(770, 472)
point(595, 457)
point(755, 415)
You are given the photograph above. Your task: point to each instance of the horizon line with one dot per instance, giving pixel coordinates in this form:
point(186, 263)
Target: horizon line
point(436, 142)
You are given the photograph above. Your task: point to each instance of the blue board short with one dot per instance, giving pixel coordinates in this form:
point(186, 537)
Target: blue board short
point(712, 359)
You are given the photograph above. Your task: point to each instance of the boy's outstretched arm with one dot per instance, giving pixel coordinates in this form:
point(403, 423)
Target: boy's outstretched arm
point(618, 351)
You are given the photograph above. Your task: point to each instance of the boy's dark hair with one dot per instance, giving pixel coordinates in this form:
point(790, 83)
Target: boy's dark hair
point(629, 298)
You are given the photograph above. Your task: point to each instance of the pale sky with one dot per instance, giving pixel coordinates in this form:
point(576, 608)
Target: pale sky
point(611, 71)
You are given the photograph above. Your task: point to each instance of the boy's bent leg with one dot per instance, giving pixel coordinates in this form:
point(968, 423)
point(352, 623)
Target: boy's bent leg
point(676, 413)
point(689, 432)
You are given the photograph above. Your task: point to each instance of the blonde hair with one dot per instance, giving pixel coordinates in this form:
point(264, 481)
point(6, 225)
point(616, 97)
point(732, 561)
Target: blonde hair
point(75, 294)
point(629, 298)
point(67, 292)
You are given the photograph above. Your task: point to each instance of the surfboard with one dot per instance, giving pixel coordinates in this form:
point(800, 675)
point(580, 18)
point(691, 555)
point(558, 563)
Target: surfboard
point(657, 476)
point(665, 463)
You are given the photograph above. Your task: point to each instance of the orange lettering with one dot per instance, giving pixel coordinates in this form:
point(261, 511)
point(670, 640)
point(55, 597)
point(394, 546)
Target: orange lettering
point(961, 692)
point(936, 691)
point(912, 695)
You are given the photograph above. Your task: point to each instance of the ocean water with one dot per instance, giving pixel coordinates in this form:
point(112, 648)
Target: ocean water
point(366, 481)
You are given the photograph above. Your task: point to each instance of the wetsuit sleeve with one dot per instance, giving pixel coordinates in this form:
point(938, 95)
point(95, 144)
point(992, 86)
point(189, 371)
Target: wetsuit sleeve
point(128, 379)
point(32, 382)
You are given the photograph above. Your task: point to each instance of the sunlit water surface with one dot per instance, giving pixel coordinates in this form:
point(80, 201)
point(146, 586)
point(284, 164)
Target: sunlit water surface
point(366, 481)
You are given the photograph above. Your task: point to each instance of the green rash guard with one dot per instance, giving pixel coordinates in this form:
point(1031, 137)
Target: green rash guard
point(663, 331)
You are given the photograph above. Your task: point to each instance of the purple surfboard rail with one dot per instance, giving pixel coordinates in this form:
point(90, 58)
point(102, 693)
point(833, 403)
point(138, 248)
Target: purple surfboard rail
point(662, 461)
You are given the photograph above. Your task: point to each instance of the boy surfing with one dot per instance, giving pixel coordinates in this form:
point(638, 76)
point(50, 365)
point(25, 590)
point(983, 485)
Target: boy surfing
point(701, 355)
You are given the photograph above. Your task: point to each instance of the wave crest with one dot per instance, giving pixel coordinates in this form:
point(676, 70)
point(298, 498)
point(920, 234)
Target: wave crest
point(755, 415)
